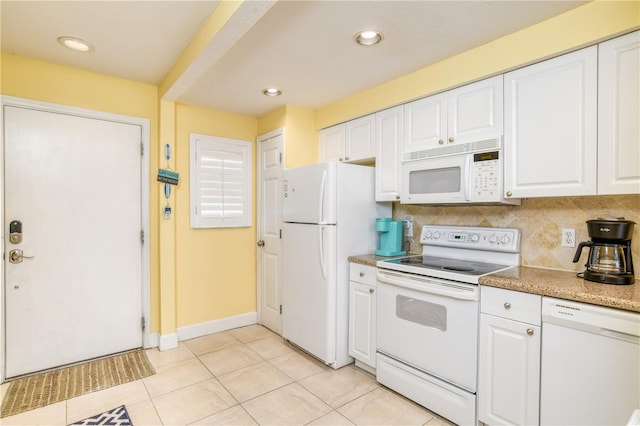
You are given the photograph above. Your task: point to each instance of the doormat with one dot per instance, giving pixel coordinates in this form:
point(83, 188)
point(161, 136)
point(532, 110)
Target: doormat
point(54, 386)
point(116, 417)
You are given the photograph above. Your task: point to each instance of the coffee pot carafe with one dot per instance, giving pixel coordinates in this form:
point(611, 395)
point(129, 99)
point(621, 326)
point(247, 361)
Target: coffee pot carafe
point(609, 260)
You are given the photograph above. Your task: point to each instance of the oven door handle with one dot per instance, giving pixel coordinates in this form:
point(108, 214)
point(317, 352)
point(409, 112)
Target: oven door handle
point(431, 285)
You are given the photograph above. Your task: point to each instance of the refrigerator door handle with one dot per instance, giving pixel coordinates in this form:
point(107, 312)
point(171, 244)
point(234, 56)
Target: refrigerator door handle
point(323, 264)
point(323, 183)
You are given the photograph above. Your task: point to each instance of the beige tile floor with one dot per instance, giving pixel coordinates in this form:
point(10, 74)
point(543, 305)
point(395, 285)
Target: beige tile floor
point(245, 376)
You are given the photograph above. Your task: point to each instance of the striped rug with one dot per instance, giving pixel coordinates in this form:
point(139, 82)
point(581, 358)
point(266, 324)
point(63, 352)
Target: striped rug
point(29, 393)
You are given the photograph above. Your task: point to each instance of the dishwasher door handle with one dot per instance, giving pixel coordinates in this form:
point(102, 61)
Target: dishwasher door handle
point(620, 336)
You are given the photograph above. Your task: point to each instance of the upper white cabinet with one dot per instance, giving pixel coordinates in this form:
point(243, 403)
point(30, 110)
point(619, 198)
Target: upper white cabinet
point(550, 127)
point(360, 139)
point(353, 141)
point(389, 133)
point(619, 115)
point(332, 143)
point(467, 114)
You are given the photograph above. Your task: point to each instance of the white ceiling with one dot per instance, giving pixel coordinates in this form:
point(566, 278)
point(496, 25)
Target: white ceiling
point(305, 48)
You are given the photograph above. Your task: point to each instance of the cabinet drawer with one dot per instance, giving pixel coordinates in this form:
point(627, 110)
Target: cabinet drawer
point(511, 304)
point(362, 273)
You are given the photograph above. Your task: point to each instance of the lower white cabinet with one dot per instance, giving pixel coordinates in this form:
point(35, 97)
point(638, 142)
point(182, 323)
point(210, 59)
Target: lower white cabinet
point(362, 315)
point(509, 357)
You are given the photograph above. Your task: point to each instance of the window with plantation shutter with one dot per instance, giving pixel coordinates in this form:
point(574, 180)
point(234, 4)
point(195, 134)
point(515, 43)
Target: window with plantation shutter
point(220, 174)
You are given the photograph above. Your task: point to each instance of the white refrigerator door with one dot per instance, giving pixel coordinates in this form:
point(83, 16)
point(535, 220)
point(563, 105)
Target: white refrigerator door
point(310, 194)
point(309, 288)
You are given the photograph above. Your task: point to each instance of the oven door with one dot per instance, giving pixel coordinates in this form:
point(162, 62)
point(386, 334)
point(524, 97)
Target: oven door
point(429, 324)
point(442, 180)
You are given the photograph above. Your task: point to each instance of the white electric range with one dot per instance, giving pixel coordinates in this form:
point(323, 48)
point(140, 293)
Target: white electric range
point(427, 315)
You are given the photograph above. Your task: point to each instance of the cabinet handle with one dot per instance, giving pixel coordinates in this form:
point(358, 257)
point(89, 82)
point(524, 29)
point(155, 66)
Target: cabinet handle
point(451, 139)
point(346, 158)
point(339, 159)
point(530, 331)
point(371, 290)
point(361, 274)
point(397, 197)
point(440, 141)
point(507, 305)
point(509, 193)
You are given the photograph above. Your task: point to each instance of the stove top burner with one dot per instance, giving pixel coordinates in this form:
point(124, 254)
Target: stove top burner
point(434, 264)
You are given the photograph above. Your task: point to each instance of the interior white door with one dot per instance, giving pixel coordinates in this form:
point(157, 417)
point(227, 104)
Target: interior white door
point(270, 149)
point(74, 183)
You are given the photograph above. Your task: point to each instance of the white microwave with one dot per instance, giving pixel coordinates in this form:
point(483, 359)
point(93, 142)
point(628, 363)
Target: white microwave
point(464, 174)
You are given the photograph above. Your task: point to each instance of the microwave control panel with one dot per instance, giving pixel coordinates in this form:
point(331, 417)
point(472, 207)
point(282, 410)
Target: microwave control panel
point(485, 179)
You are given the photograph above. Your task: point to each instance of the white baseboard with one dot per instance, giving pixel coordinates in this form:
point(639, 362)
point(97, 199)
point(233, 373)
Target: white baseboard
point(216, 326)
point(168, 341)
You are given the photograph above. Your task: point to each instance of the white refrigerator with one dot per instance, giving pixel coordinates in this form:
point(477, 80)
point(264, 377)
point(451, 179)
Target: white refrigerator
point(329, 213)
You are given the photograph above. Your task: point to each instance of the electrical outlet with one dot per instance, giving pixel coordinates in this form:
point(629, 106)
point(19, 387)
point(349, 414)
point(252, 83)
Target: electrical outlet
point(568, 237)
point(408, 227)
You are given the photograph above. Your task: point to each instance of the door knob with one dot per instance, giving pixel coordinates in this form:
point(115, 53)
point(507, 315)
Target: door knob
point(261, 243)
point(16, 256)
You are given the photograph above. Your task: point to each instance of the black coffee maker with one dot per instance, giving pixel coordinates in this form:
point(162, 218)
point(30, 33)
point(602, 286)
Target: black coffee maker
point(610, 252)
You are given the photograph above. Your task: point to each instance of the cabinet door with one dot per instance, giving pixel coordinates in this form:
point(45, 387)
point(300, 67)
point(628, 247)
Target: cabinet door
point(332, 143)
point(550, 127)
point(509, 372)
point(475, 112)
point(389, 132)
point(618, 115)
point(360, 139)
point(425, 123)
point(362, 323)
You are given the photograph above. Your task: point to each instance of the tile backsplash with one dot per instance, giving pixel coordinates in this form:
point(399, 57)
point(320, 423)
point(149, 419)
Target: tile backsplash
point(540, 220)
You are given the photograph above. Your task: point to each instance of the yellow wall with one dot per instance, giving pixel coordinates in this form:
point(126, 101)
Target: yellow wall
point(41, 81)
point(272, 120)
point(215, 268)
point(301, 136)
point(213, 274)
point(576, 28)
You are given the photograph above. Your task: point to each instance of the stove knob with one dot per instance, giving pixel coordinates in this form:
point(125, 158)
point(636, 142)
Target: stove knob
point(493, 239)
point(436, 235)
point(428, 234)
point(505, 239)
point(474, 238)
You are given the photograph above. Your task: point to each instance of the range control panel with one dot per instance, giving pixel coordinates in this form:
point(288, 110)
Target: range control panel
point(477, 238)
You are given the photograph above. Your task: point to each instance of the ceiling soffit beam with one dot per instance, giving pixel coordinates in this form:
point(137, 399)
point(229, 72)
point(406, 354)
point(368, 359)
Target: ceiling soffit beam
point(228, 23)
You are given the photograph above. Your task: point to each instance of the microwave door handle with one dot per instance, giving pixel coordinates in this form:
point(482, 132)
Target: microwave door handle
point(467, 173)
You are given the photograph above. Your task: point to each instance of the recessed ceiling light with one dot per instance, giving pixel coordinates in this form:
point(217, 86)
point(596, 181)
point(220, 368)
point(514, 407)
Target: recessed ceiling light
point(271, 91)
point(75, 44)
point(368, 38)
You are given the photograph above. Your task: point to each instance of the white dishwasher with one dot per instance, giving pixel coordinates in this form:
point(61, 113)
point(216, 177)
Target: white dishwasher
point(590, 372)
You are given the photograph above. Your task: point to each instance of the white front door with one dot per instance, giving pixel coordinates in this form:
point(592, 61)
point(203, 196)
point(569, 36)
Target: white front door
point(270, 148)
point(74, 186)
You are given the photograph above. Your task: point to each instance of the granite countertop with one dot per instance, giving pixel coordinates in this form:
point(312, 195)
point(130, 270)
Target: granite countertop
point(548, 282)
point(565, 285)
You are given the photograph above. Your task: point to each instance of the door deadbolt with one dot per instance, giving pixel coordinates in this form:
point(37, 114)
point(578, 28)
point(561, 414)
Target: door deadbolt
point(15, 232)
point(17, 256)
